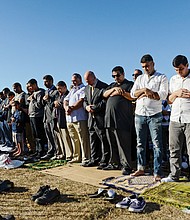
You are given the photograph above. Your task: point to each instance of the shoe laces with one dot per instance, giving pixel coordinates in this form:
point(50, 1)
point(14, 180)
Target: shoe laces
point(42, 188)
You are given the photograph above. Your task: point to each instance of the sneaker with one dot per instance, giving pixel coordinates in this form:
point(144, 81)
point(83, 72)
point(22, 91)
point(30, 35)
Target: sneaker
point(49, 196)
point(167, 180)
point(6, 185)
point(7, 217)
point(99, 193)
point(126, 202)
point(40, 192)
point(110, 195)
point(137, 205)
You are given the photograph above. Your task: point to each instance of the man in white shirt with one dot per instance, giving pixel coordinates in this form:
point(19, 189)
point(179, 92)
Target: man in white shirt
point(179, 129)
point(149, 89)
point(76, 117)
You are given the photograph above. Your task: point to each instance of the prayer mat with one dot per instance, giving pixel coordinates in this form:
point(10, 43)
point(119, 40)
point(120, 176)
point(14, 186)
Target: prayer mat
point(131, 184)
point(176, 194)
point(42, 165)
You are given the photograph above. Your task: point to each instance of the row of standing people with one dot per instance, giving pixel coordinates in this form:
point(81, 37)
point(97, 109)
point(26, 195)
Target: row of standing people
point(110, 118)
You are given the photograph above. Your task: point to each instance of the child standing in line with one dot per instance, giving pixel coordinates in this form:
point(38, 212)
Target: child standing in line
point(17, 121)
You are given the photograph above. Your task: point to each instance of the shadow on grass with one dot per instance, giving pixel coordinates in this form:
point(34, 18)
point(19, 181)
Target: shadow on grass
point(19, 189)
point(151, 207)
point(64, 198)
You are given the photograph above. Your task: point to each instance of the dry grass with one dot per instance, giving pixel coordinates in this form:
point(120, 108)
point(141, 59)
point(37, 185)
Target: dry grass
point(73, 203)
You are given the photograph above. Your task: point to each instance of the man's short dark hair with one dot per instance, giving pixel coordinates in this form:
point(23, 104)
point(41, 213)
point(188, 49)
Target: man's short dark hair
point(10, 94)
point(146, 58)
point(17, 84)
point(118, 69)
point(6, 90)
point(61, 83)
point(139, 72)
point(48, 77)
point(77, 75)
point(32, 82)
point(180, 59)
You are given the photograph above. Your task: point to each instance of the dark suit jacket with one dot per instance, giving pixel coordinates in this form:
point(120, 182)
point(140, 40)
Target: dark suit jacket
point(49, 104)
point(60, 111)
point(99, 104)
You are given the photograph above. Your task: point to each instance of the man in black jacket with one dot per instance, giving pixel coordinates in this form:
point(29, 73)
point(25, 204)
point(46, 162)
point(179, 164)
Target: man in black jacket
point(95, 105)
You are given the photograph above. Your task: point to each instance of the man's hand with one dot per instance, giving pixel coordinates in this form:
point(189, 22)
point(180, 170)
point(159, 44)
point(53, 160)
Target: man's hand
point(89, 108)
point(150, 94)
point(117, 91)
point(56, 104)
point(46, 97)
point(183, 93)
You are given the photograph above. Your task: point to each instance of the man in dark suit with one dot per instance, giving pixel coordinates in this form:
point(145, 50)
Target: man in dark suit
point(48, 100)
point(95, 105)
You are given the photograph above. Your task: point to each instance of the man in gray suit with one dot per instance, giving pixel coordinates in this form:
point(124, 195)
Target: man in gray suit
point(48, 100)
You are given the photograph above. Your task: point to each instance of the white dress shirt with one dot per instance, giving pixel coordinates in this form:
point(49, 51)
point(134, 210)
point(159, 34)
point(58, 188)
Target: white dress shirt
point(80, 114)
point(156, 83)
point(181, 106)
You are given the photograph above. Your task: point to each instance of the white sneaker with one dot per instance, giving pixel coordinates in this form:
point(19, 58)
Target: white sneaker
point(167, 180)
point(126, 202)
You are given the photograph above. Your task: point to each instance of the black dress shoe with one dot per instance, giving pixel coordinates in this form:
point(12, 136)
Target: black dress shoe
point(6, 185)
point(102, 166)
point(90, 164)
point(46, 157)
point(40, 192)
point(48, 197)
point(112, 167)
point(126, 171)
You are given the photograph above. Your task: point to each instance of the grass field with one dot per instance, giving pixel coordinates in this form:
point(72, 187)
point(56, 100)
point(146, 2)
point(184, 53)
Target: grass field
point(72, 204)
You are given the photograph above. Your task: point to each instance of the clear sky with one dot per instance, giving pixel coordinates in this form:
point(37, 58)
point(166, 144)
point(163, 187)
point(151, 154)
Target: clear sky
point(60, 37)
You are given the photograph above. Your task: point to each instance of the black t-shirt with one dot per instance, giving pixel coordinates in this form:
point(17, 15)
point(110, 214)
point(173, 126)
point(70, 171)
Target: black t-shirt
point(119, 112)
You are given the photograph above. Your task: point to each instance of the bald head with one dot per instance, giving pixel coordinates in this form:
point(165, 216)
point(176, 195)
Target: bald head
point(90, 78)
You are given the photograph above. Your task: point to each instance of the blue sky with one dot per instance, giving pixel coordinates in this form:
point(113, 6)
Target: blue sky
point(60, 37)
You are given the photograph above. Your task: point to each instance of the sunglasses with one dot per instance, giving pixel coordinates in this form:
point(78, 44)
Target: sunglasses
point(118, 75)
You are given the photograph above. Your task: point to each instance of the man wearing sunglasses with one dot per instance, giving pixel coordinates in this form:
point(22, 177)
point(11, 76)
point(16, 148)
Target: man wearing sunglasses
point(136, 73)
point(118, 121)
point(149, 89)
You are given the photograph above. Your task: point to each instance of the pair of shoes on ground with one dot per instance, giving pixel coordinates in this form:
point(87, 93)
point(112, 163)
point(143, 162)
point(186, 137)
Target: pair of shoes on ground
point(142, 173)
point(45, 195)
point(132, 203)
point(104, 193)
point(6, 185)
point(7, 217)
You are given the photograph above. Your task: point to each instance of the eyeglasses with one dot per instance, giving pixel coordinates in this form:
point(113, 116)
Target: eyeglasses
point(118, 75)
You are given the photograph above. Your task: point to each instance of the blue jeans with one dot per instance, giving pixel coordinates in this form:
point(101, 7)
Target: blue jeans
point(142, 123)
